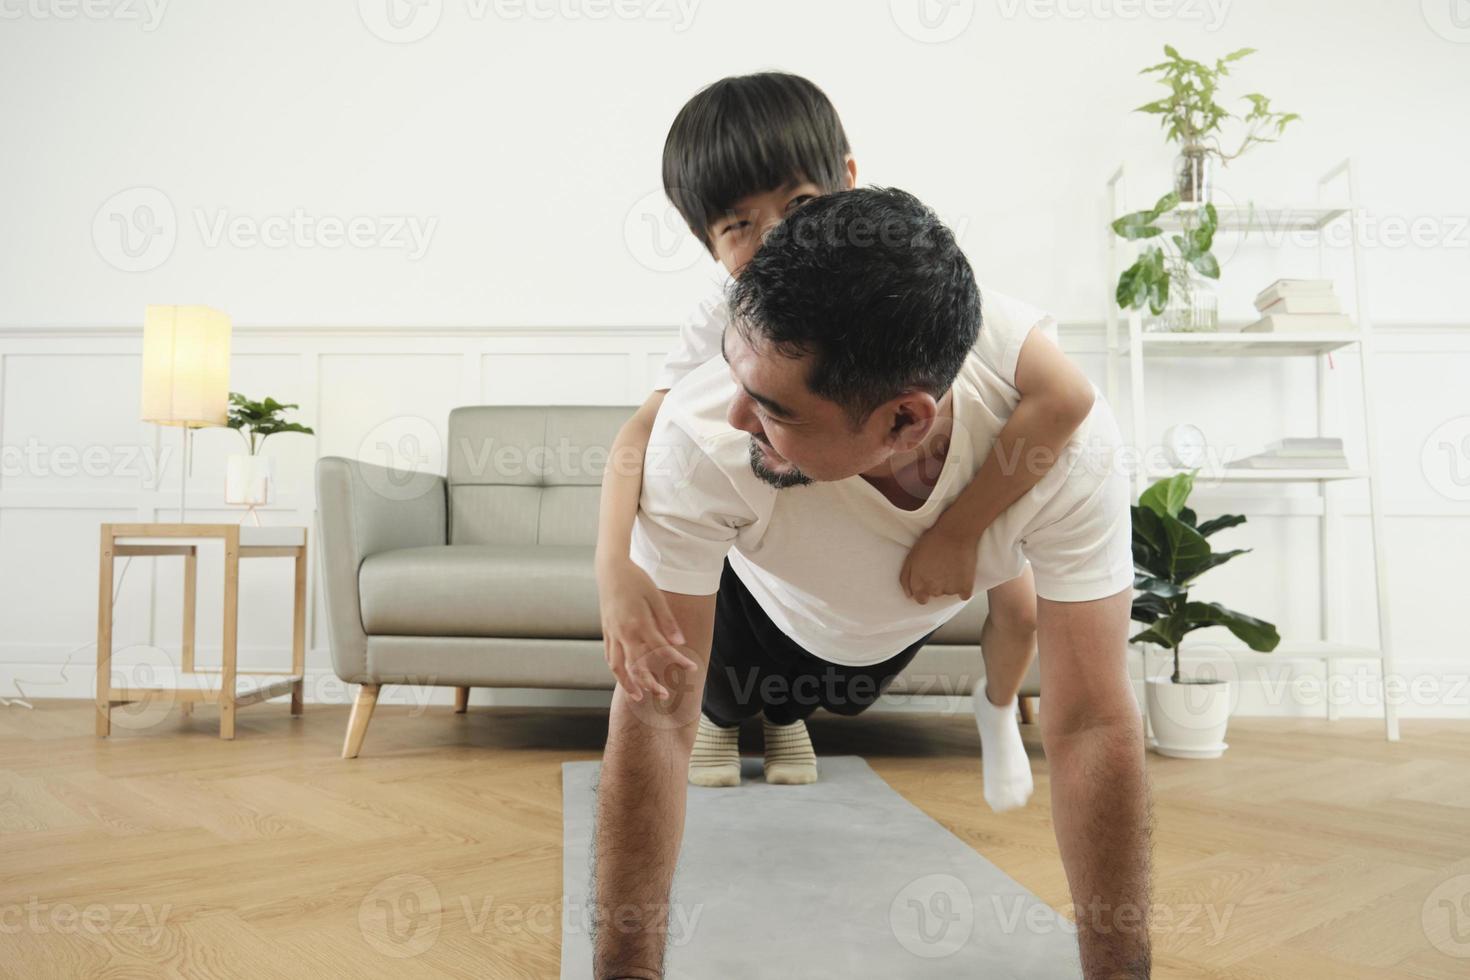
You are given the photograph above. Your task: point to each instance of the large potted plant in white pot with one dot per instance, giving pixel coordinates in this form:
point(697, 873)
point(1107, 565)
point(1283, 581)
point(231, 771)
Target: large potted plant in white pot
point(250, 477)
point(1171, 550)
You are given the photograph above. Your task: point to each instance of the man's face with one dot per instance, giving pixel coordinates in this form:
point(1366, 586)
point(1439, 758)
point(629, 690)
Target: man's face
point(798, 437)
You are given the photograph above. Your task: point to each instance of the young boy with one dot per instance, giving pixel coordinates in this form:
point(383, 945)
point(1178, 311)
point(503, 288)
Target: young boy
point(742, 155)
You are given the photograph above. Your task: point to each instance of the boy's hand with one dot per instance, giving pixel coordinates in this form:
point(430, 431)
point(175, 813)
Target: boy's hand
point(639, 633)
point(941, 563)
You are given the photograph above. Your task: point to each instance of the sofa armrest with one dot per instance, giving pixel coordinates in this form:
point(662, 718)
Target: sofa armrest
point(363, 509)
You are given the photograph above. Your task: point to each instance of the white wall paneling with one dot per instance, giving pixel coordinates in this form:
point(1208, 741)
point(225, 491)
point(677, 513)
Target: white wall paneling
point(385, 394)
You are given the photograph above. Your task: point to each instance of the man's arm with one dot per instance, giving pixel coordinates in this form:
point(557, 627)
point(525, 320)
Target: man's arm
point(640, 806)
point(1093, 737)
point(1055, 399)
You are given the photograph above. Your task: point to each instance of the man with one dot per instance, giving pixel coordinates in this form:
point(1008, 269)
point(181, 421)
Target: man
point(790, 479)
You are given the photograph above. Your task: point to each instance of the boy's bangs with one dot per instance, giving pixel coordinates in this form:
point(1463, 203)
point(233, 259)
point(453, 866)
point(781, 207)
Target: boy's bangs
point(748, 135)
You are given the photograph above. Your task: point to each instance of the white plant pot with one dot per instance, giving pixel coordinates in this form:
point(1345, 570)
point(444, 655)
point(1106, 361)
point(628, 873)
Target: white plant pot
point(1188, 720)
point(249, 479)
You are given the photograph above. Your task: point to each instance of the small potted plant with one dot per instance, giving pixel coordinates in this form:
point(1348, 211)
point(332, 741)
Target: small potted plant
point(1192, 118)
point(250, 477)
point(1170, 551)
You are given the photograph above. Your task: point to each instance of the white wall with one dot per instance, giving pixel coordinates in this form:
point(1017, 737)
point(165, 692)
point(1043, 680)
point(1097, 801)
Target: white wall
point(527, 147)
point(527, 141)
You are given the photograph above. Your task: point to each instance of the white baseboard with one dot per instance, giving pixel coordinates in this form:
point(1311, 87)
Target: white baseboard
point(1286, 688)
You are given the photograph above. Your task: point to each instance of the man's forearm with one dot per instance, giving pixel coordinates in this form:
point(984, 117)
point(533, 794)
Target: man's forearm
point(1103, 817)
point(640, 822)
point(641, 798)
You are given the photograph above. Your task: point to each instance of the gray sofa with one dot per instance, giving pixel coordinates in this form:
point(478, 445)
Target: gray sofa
point(484, 577)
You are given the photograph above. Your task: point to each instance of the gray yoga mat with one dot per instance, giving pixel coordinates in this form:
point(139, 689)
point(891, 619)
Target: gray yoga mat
point(842, 878)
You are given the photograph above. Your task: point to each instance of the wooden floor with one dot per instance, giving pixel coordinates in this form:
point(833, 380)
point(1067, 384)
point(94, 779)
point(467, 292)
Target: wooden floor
point(1310, 850)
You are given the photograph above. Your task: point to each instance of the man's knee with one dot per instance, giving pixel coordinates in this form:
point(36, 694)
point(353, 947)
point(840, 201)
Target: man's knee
point(853, 695)
point(1119, 724)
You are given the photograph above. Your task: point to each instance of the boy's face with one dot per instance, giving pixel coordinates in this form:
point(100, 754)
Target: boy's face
point(736, 235)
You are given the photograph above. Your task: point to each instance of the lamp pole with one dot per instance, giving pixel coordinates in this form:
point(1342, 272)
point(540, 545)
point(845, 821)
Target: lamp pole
point(184, 473)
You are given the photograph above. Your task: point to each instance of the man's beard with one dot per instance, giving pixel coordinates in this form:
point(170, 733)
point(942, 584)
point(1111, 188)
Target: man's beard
point(790, 478)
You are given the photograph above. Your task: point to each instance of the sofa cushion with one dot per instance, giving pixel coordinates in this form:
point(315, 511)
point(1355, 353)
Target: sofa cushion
point(515, 590)
point(481, 590)
point(522, 474)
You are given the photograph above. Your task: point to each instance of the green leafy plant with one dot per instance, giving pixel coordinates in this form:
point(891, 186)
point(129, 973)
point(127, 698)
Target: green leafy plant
point(1147, 281)
point(260, 420)
point(1191, 116)
point(1170, 551)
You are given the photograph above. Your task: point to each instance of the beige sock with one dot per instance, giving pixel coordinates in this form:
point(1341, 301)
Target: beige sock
point(790, 758)
point(715, 760)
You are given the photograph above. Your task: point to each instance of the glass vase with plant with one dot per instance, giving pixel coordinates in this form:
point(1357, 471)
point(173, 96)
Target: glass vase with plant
point(250, 476)
point(1192, 117)
point(1171, 279)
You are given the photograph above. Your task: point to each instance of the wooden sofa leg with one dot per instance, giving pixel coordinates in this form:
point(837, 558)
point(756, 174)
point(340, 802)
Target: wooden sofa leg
point(357, 722)
point(461, 700)
point(1028, 715)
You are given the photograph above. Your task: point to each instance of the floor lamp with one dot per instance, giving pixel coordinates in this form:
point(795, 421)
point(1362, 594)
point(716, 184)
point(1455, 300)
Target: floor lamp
point(186, 373)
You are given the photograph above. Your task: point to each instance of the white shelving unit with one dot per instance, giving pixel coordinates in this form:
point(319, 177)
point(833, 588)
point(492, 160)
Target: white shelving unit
point(1137, 349)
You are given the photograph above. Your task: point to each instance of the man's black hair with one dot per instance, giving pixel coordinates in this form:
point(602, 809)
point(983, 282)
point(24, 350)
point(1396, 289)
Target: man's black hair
point(873, 285)
point(748, 134)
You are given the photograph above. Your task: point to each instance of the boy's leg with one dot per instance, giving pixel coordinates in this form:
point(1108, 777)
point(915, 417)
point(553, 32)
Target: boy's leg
point(1008, 638)
point(1007, 641)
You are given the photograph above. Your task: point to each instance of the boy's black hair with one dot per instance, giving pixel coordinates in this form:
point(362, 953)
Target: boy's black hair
point(873, 285)
point(747, 134)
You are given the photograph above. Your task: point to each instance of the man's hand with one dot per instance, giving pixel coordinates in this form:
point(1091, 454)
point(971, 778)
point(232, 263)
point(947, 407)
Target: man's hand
point(639, 633)
point(941, 562)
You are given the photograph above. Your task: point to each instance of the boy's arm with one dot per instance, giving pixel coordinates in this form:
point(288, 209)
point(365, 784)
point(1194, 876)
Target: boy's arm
point(622, 482)
point(1055, 399)
point(634, 613)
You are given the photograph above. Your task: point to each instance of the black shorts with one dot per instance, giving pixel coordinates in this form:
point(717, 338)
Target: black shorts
point(754, 667)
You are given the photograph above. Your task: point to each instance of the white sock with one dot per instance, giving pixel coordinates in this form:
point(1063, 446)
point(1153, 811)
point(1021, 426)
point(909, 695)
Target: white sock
point(1007, 769)
point(715, 760)
point(790, 758)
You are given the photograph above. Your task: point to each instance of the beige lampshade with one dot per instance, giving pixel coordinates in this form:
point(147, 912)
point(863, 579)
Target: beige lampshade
point(186, 366)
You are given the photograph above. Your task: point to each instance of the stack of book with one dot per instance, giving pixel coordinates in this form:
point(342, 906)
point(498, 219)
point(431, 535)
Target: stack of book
point(1299, 305)
point(1297, 453)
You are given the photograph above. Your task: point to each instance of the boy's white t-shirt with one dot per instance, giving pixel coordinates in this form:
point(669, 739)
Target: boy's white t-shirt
point(699, 336)
point(823, 560)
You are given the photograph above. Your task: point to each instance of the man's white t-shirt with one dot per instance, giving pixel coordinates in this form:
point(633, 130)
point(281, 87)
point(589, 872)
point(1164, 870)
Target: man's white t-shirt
point(823, 560)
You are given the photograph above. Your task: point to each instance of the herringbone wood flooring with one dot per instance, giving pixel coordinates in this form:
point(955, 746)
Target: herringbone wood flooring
point(1310, 850)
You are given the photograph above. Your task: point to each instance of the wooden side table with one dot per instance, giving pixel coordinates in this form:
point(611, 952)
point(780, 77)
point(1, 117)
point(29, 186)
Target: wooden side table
point(122, 540)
